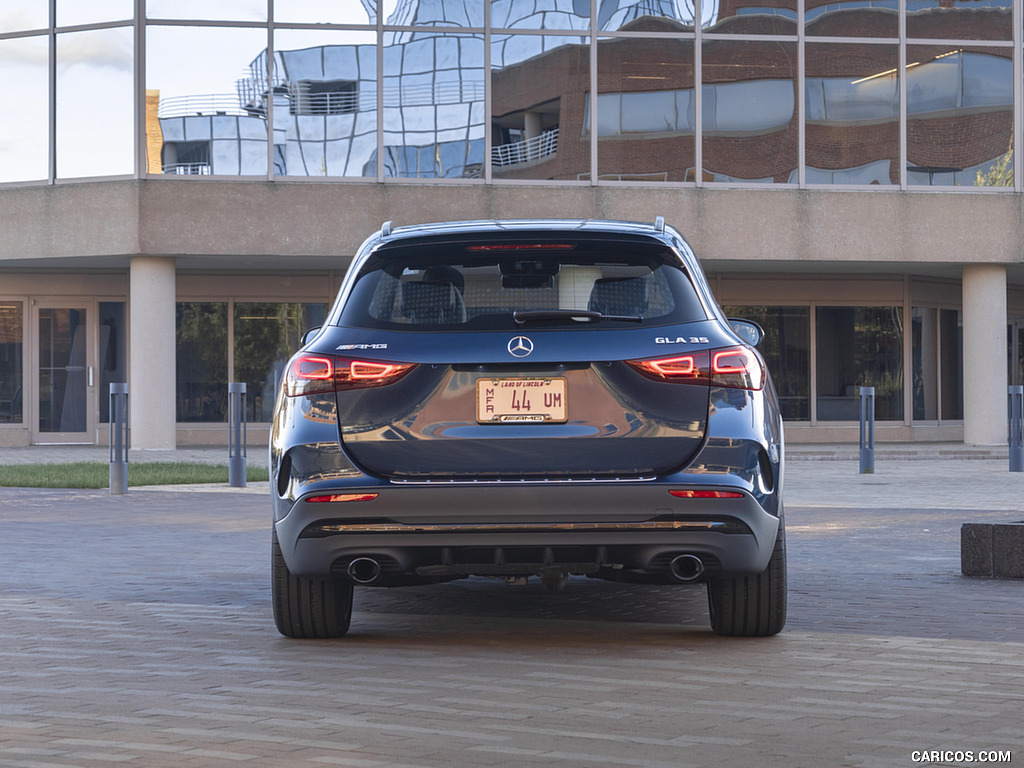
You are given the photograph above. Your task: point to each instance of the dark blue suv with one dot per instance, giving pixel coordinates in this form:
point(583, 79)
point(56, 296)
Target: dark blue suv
point(518, 399)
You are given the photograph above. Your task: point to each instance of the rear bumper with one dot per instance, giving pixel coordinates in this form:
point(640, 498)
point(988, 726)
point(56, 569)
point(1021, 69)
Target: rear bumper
point(449, 529)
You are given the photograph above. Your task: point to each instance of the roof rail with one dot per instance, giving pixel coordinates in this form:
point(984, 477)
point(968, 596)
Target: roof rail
point(385, 229)
point(659, 224)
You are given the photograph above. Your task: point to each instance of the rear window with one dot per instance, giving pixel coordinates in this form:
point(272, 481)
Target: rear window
point(460, 286)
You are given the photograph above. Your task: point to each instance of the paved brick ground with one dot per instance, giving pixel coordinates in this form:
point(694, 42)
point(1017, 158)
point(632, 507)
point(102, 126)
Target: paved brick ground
point(136, 631)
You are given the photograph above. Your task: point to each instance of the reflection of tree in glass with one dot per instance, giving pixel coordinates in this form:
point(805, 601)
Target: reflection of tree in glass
point(11, 336)
point(1000, 174)
point(202, 367)
point(266, 335)
point(878, 352)
point(786, 351)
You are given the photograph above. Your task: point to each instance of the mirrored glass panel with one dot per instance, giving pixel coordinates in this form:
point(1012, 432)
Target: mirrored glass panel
point(70, 12)
point(433, 13)
point(959, 116)
point(749, 117)
point(319, 12)
point(539, 86)
point(859, 347)
point(433, 107)
point(63, 361)
point(94, 103)
point(852, 108)
point(759, 17)
point(206, 114)
point(325, 103)
point(852, 18)
point(574, 15)
point(208, 10)
point(645, 110)
point(23, 131)
point(924, 345)
point(12, 360)
point(960, 19)
point(266, 335)
point(786, 348)
point(951, 364)
point(526, 14)
point(202, 361)
point(645, 15)
point(113, 343)
point(22, 15)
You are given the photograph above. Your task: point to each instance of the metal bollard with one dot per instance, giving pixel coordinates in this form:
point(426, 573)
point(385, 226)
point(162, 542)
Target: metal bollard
point(867, 430)
point(1016, 434)
point(236, 434)
point(119, 438)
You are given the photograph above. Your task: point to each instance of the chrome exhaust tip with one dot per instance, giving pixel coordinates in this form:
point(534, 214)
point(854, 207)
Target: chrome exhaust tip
point(363, 570)
point(686, 568)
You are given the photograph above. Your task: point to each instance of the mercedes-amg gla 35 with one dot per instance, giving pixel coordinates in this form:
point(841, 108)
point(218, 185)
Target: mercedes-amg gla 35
point(527, 399)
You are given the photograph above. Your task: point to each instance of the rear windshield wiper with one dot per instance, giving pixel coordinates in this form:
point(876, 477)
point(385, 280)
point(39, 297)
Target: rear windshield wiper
point(522, 316)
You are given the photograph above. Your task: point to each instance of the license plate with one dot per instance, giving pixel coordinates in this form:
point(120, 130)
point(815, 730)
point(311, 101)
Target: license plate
point(520, 401)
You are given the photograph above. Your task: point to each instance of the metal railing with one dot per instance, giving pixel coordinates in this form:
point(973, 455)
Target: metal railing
point(328, 103)
point(187, 169)
point(526, 151)
point(450, 92)
point(253, 92)
point(201, 104)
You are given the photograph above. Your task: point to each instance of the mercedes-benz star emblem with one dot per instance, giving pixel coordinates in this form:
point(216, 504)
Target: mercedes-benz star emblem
point(520, 346)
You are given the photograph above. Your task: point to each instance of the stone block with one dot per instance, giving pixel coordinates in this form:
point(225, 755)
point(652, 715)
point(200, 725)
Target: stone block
point(1008, 550)
point(992, 551)
point(976, 550)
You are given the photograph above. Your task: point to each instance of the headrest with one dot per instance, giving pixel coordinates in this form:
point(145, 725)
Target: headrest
point(619, 296)
point(428, 302)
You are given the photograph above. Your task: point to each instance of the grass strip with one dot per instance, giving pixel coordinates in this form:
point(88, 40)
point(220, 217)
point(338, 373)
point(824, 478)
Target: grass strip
point(96, 474)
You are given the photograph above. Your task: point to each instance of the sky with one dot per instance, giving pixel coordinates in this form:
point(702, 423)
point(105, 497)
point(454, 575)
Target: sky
point(95, 72)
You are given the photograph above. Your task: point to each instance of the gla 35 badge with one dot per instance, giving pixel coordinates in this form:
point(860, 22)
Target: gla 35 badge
point(681, 340)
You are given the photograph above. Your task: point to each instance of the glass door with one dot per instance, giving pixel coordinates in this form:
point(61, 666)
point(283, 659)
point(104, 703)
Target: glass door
point(1015, 350)
point(66, 387)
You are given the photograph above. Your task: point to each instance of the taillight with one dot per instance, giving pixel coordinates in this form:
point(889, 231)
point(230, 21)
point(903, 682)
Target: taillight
point(706, 494)
point(522, 247)
point(333, 497)
point(359, 374)
point(738, 368)
point(692, 368)
point(310, 375)
point(316, 374)
point(734, 367)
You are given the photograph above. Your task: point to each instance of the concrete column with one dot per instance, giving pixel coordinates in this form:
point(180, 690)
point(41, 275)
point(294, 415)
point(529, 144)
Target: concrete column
point(533, 125)
point(151, 352)
point(984, 301)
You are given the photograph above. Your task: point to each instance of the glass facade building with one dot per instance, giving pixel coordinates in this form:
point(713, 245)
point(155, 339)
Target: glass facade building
point(893, 93)
point(603, 101)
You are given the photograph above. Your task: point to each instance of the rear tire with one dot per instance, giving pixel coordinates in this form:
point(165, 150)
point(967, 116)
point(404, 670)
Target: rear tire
point(751, 606)
point(307, 608)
